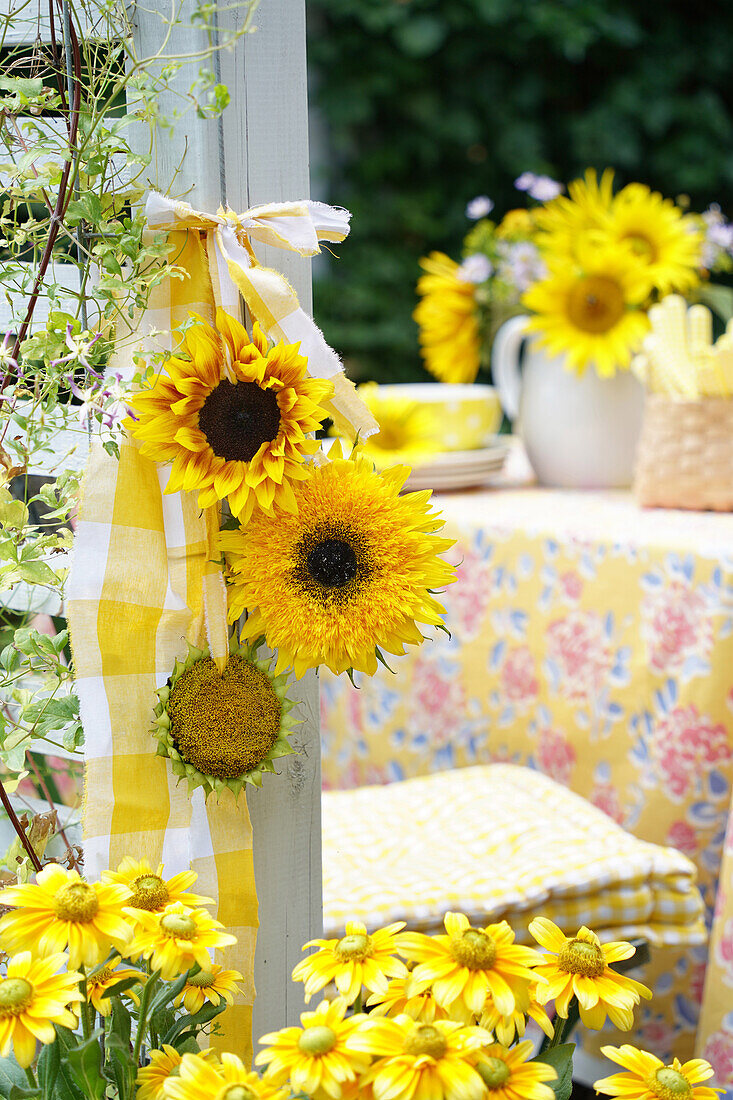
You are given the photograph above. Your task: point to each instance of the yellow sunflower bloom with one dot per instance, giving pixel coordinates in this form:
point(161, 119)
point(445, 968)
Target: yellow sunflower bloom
point(232, 418)
point(202, 1078)
point(447, 319)
point(469, 964)
point(61, 911)
point(591, 314)
point(214, 984)
point(357, 959)
point(505, 1028)
point(318, 1058)
point(176, 939)
point(164, 1063)
point(99, 981)
point(351, 573)
point(665, 243)
point(581, 969)
point(33, 997)
point(422, 1007)
point(508, 1074)
point(649, 1079)
point(568, 218)
point(150, 891)
point(408, 430)
point(421, 1061)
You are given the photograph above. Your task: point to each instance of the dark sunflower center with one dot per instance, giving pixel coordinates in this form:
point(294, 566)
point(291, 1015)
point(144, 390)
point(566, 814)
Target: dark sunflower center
point(332, 562)
point(237, 418)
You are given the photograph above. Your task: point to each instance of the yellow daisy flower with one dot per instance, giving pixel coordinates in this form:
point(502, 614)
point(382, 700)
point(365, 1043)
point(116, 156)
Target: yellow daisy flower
point(33, 997)
point(422, 1007)
point(318, 1059)
point(203, 1078)
point(469, 964)
point(213, 984)
point(421, 1061)
point(165, 1063)
point(505, 1028)
point(581, 969)
point(177, 938)
point(447, 319)
point(61, 911)
point(568, 218)
point(508, 1074)
point(408, 431)
point(232, 418)
point(591, 314)
point(223, 729)
point(353, 571)
point(150, 891)
point(665, 243)
point(99, 981)
point(649, 1079)
point(357, 959)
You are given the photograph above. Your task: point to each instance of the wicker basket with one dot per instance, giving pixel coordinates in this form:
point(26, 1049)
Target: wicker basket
point(685, 455)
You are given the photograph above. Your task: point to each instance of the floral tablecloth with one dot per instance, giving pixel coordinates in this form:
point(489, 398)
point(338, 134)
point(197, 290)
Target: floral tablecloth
point(594, 642)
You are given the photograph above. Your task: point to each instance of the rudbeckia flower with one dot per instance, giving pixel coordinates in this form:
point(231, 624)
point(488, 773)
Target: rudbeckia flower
point(33, 997)
point(60, 910)
point(318, 1058)
point(150, 891)
point(177, 938)
point(469, 964)
point(647, 1078)
point(578, 966)
point(357, 959)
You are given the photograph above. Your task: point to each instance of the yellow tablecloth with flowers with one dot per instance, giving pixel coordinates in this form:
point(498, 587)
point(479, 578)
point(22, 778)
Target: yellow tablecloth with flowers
point(592, 641)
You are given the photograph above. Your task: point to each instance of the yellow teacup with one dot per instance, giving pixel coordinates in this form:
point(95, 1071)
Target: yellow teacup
point(462, 417)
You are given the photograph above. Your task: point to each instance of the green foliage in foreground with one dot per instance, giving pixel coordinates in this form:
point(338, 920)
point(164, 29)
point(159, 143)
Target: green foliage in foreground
point(427, 103)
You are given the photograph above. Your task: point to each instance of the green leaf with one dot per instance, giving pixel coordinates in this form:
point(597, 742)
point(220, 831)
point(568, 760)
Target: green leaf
point(18, 1093)
point(11, 1075)
point(24, 86)
point(123, 1069)
point(88, 207)
point(49, 1065)
point(561, 1060)
point(719, 298)
point(120, 1021)
point(189, 1026)
point(122, 986)
point(167, 993)
point(85, 1063)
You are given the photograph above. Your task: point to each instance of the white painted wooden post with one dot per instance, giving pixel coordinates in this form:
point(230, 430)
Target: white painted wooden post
point(266, 160)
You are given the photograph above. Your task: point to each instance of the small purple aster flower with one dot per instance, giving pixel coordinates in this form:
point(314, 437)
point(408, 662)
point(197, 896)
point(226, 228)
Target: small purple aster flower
point(540, 188)
point(475, 269)
point(480, 207)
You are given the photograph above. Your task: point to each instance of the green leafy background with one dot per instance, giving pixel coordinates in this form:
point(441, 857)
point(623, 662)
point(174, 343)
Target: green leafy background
point(422, 104)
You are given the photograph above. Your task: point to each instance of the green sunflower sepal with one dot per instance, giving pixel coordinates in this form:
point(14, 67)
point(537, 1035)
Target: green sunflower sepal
point(222, 731)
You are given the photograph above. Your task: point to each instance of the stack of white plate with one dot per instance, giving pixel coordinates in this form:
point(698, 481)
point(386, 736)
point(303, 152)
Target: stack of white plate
point(460, 469)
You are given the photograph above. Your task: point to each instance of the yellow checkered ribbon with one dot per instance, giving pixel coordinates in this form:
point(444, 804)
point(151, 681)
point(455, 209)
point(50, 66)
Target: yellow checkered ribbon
point(145, 581)
point(234, 270)
point(498, 842)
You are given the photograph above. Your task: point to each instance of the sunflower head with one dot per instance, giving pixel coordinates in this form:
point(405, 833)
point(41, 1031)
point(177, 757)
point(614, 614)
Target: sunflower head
point(408, 430)
point(447, 317)
point(223, 730)
point(351, 574)
point(232, 416)
point(590, 311)
point(569, 218)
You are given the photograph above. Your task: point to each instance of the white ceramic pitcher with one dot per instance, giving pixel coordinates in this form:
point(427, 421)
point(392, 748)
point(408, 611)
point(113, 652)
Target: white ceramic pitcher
point(580, 432)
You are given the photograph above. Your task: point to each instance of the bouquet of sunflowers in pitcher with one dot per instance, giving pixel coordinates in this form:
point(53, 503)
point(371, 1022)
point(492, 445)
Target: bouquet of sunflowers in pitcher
point(112, 992)
point(586, 265)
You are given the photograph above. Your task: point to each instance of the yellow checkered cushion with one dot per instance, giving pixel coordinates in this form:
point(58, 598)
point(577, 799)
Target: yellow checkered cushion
point(494, 842)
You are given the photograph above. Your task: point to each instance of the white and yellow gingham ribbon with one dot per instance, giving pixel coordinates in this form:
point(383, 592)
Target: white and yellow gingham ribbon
point(233, 268)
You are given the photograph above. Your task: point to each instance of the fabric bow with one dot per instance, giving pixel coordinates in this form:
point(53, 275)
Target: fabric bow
point(234, 269)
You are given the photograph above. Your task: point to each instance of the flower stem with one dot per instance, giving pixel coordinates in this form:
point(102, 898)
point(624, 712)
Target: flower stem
point(84, 1006)
point(563, 1026)
point(357, 1006)
point(31, 1078)
point(22, 835)
point(142, 1016)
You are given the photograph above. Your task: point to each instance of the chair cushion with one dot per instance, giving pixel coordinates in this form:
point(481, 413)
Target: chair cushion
point(498, 842)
